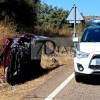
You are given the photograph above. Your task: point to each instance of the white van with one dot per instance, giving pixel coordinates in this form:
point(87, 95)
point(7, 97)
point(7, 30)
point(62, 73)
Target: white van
point(87, 53)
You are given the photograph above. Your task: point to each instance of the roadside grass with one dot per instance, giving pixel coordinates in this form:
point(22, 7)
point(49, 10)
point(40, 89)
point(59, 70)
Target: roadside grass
point(53, 32)
point(20, 91)
point(7, 29)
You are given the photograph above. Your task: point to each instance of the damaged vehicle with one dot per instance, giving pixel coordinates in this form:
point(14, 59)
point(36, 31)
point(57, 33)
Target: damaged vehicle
point(18, 52)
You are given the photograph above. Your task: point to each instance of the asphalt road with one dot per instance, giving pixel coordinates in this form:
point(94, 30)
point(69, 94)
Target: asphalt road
point(89, 89)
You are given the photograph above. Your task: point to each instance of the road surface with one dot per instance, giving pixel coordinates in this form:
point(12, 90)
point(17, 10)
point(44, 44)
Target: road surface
point(63, 86)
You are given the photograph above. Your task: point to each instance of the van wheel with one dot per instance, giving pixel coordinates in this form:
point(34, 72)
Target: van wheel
point(78, 78)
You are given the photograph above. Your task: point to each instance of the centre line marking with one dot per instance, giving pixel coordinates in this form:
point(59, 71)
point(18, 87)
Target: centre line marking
point(59, 88)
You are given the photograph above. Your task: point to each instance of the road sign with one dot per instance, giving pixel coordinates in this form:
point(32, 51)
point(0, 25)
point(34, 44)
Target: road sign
point(72, 21)
point(74, 14)
point(74, 17)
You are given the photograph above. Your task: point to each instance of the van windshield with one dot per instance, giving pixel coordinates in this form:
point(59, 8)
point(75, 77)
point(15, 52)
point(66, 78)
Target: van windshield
point(91, 35)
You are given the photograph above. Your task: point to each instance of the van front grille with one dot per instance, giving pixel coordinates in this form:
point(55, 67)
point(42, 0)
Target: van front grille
point(95, 67)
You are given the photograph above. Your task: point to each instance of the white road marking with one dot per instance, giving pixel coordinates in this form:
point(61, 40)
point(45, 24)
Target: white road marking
point(60, 87)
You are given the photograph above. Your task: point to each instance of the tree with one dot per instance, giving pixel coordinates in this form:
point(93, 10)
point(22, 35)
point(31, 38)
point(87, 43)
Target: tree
point(52, 17)
point(22, 11)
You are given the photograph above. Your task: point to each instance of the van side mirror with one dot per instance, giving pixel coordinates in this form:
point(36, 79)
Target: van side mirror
point(75, 38)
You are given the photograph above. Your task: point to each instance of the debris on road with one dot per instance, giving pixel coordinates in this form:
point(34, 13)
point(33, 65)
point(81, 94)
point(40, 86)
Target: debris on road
point(54, 60)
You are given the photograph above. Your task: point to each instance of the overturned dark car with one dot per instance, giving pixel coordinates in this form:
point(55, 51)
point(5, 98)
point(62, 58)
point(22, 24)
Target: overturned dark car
point(19, 51)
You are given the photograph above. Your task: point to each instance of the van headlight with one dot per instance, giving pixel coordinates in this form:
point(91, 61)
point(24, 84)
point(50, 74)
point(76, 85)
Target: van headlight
point(80, 54)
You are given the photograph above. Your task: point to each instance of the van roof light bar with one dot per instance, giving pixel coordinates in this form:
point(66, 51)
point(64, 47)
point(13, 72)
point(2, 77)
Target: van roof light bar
point(95, 22)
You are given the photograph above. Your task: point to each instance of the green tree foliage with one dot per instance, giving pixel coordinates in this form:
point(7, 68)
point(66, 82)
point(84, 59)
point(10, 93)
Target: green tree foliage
point(22, 11)
point(52, 16)
point(29, 13)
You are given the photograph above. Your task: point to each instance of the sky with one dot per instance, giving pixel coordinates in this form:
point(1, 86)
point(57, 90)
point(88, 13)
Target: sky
point(86, 7)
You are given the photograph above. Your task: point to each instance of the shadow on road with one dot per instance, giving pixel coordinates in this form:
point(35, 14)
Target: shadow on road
point(92, 81)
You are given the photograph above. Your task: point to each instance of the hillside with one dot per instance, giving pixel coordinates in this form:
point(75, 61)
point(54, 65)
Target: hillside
point(87, 18)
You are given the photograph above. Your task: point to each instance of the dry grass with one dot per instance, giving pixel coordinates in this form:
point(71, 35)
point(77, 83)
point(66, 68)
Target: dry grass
point(52, 32)
point(7, 29)
point(22, 90)
point(1, 72)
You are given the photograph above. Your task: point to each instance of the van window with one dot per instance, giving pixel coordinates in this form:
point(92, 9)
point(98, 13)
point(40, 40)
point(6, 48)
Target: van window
point(91, 35)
